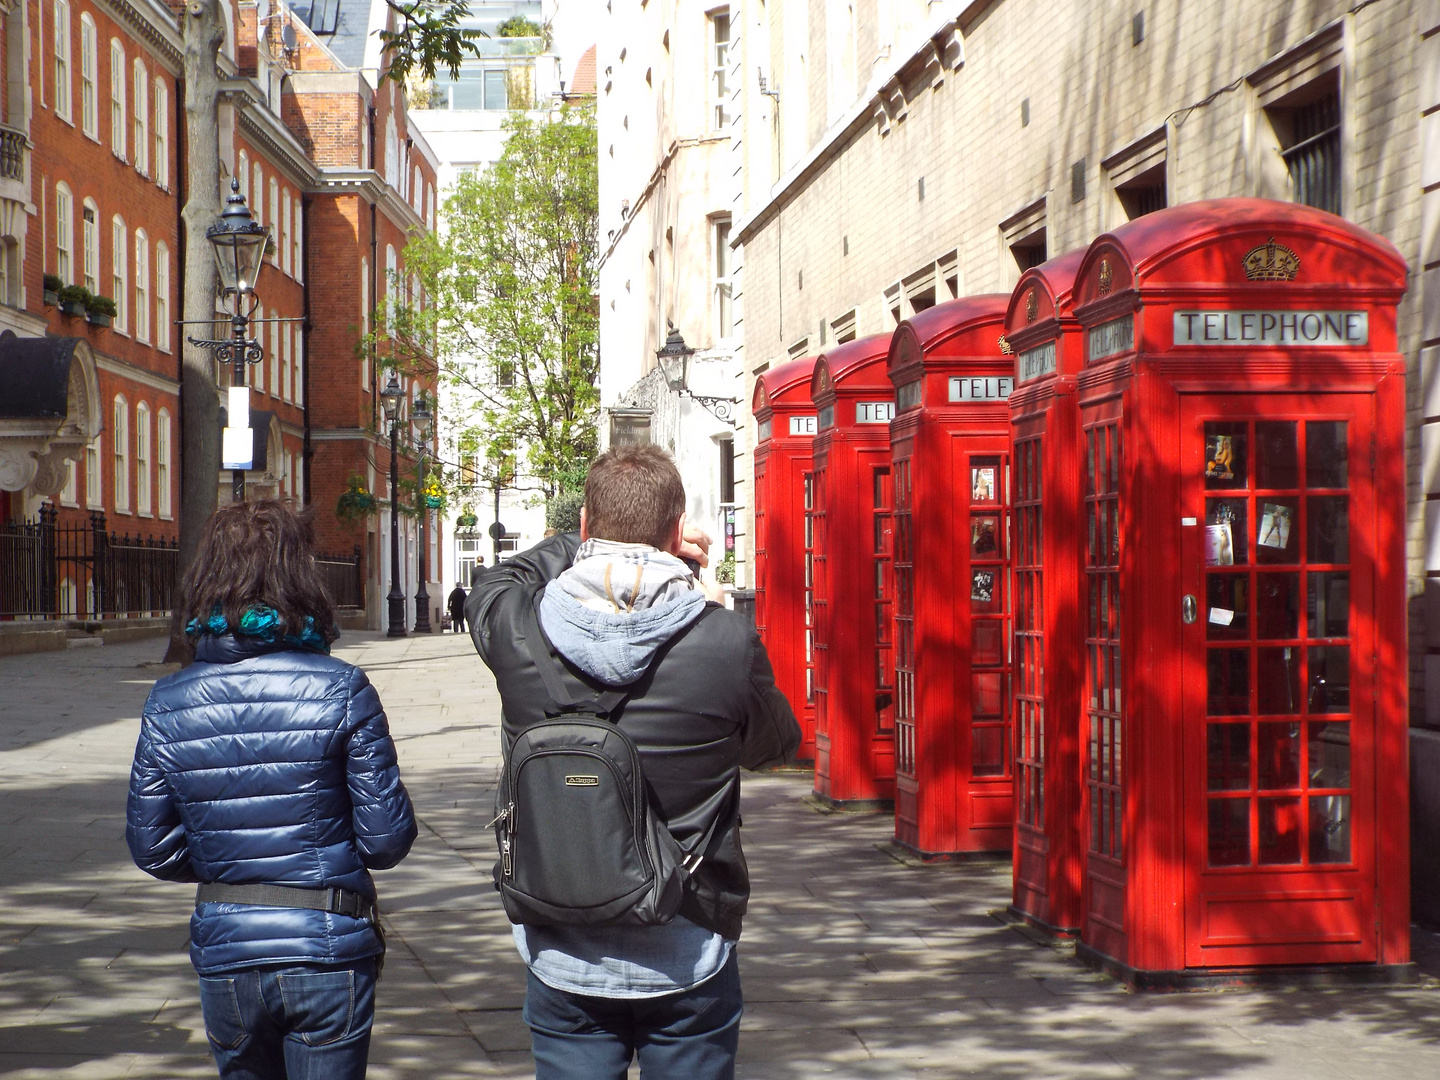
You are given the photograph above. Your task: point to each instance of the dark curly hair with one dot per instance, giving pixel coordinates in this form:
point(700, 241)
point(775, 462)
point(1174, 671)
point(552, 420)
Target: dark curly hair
point(259, 554)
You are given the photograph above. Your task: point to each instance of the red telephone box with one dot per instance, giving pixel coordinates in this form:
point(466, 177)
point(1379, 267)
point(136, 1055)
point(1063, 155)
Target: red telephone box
point(949, 447)
point(784, 544)
point(854, 618)
point(1045, 428)
point(1242, 414)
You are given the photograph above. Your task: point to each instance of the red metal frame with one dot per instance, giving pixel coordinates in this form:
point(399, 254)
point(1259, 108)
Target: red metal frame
point(1045, 418)
point(950, 448)
point(786, 424)
point(854, 670)
point(1244, 697)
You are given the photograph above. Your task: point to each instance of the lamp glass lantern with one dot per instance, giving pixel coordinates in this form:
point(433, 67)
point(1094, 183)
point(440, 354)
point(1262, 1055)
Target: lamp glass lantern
point(674, 357)
point(391, 397)
point(422, 418)
point(238, 241)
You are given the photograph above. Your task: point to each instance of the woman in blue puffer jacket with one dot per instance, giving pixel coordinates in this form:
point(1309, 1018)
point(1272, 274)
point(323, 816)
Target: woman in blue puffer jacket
point(265, 772)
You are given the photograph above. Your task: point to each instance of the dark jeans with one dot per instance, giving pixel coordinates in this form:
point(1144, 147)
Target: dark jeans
point(691, 1035)
point(290, 1023)
point(457, 622)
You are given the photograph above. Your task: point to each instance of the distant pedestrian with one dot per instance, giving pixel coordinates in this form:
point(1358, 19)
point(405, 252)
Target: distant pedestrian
point(477, 572)
point(457, 608)
point(265, 772)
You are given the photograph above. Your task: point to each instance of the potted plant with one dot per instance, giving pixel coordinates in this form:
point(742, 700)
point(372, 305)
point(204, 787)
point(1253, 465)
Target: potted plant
point(725, 569)
point(52, 286)
point(101, 311)
point(467, 519)
point(355, 503)
point(434, 494)
point(74, 299)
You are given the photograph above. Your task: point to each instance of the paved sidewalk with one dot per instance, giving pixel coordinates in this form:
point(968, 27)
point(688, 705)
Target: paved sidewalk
point(854, 966)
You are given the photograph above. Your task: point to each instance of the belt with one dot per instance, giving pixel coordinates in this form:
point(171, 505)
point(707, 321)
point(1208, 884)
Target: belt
point(337, 901)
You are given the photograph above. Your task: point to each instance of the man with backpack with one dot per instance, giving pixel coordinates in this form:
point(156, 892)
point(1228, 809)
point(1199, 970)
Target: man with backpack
point(631, 702)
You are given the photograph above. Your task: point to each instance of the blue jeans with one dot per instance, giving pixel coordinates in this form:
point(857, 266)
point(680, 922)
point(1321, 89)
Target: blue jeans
point(305, 1022)
point(691, 1035)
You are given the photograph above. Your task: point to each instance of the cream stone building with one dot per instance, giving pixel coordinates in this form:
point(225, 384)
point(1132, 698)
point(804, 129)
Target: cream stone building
point(893, 154)
point(667, 189)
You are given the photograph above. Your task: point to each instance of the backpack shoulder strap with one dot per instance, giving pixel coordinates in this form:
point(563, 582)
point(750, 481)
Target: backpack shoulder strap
point(561, 700)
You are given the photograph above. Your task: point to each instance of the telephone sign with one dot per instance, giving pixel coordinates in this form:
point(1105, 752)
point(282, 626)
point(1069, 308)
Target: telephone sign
point(1272, 328)
point(874, 412)
point(980, 388)
point(802, 425)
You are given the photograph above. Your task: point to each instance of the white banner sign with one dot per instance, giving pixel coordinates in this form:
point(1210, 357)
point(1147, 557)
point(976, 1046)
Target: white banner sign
point(802, 425)
point(1314, 328)
point(874, 412)
point(1032, 363)
point(981, 389)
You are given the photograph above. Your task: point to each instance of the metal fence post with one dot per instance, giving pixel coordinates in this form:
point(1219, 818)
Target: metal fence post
point(49, 567)
point(99, 548)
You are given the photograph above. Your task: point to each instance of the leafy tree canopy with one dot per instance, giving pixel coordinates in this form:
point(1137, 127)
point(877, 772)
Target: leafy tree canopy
point(512, 316)
point(428, 35)
point(519, 26)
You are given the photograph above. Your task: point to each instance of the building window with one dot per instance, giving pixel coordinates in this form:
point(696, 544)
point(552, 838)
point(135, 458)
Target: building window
point(1030, 251)
point(120, 444)
point(723, 288)
point(430, 197)
point(297, 256)
point(89, 110)
point(274, 219)
point(286, 231)
point(119, 269)
point(497, 91)
point(1310, 142)
point(242, 173)
point(140, 110)
point(64, 234)
point(117, 98)
point(257, 193)
point(142, 286)
point(286, 374)
point(142, 459)
point(392, 285)
point(299, 377)
point(720, 69)
point(90, 245)
point(162, 134)
point(162, 463)
point(69, 494)
point(62, 59)
point(94, 499)
point(274, 354)
point(162, 297)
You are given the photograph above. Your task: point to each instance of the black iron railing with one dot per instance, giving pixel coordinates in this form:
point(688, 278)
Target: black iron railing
point(343, 582)
point(49, 570)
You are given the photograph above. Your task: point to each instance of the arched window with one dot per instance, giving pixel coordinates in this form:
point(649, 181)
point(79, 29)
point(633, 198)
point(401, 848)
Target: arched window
point(142, 459)
point(162, 296)
point(255, 373)
point(417, 190)
point(117, 98)
point(274, 354)
point(392, 285)
point(272, 220)
point(162, 463)
point(119, 272)
point(392, 153)
point(90, 245)
point(142, 286)
point(161, 104)
point(257, 193)
point(62, 59)
point(120, 447)
point(64, 234)
point(94, 494)
point(297, 384)
point(297, 257)
point(89, 94)
point(242, 173)
point(286, 372)
point(284, 231)
point(140, 111)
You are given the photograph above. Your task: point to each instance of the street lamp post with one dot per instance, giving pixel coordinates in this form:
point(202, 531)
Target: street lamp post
point(423, 418)
point(238, 241)
point(390, 398)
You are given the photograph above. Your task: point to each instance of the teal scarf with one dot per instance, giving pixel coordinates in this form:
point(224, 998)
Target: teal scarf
point(262, 623)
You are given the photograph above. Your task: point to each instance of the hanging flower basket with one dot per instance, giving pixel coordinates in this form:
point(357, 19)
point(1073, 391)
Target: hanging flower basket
point(434, 501)
point(355, 503)
point(467, 520)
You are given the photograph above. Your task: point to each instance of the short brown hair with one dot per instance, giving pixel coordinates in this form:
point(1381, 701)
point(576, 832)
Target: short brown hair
point(259, 554)
point(634, 495)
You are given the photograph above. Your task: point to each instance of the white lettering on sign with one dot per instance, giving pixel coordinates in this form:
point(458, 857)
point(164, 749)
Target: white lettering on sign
point(874, 412)
point(1272, 328)
point(802, 425)
point(1110, 338)
point(990, 388)
point(1032, 363)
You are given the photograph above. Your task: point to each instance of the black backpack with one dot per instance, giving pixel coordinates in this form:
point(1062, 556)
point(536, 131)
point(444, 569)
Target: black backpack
point(580, 843)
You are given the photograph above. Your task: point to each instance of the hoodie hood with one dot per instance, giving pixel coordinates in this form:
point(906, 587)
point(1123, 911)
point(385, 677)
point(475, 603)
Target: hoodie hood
point(616, 606)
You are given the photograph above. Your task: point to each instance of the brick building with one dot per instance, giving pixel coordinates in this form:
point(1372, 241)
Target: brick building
point(91, 189)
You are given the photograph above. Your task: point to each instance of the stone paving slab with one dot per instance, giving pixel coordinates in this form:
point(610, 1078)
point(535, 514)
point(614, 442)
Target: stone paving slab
point(855, 965)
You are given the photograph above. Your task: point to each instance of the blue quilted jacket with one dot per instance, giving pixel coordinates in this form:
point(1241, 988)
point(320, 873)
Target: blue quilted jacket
point(262, 763)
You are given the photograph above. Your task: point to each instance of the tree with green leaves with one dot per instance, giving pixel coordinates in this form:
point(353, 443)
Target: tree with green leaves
point(511, 315)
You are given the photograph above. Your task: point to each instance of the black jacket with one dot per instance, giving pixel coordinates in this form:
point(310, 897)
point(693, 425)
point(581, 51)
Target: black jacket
point(706, 710)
